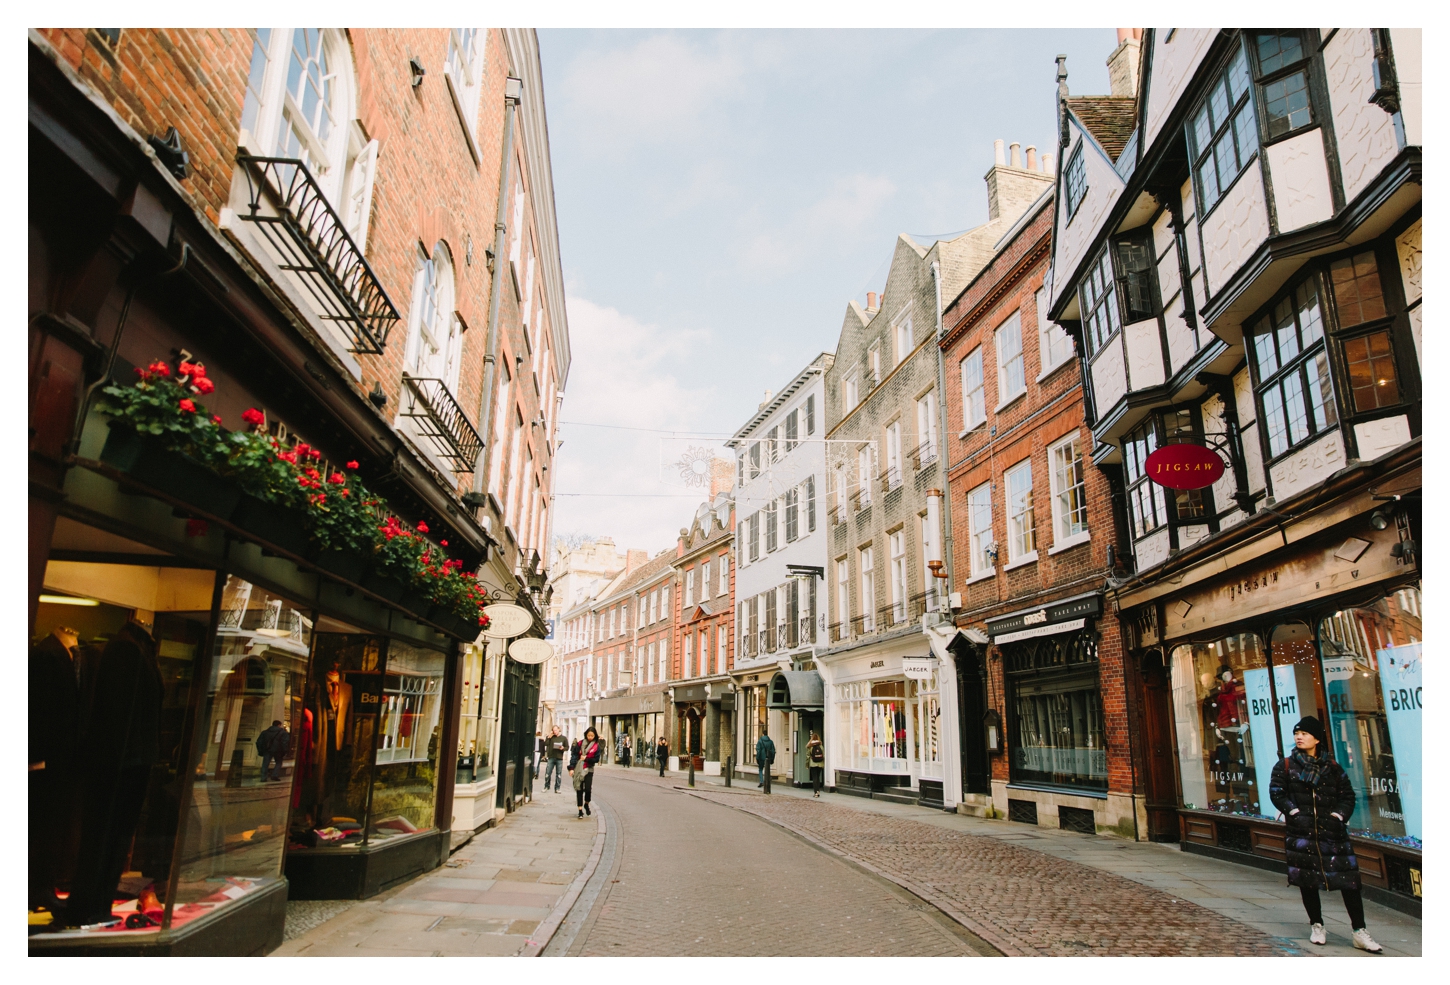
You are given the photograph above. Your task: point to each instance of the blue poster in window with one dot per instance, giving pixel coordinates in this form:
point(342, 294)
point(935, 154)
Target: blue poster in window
point(1264, 719)
point(1401, 684)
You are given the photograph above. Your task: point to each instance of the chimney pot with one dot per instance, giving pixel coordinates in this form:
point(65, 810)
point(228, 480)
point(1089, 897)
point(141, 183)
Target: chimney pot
point(1016, 155)
point(1124, 33)
point(871, 298)
point(1047, 164)
point(1031, 157)
point(999, 154)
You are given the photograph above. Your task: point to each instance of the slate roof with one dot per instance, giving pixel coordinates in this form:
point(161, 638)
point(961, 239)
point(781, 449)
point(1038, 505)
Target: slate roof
point(1110, 119)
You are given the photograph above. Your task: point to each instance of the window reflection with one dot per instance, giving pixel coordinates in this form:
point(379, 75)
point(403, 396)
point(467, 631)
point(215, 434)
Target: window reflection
point(1223, 714)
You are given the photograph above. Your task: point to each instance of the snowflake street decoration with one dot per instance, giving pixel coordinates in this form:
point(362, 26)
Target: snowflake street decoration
point(694, 466)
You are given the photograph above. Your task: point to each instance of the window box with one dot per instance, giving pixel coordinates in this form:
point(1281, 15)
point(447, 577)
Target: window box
point(279, 526)
point(347, 565)
point(179, 476)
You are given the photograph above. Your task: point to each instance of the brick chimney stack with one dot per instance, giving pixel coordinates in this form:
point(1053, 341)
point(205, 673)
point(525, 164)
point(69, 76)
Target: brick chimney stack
point(633, 559)
point(870, 300)
point(1124, 61)
point(722, 477)
point(1011, 185)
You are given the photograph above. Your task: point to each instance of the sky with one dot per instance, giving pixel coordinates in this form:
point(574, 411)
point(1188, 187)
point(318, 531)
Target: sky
point(722, 196)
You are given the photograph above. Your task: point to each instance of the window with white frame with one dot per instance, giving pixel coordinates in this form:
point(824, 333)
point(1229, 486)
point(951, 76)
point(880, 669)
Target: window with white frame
point(852, 395)
point(1053, 344)
point(754, 535)
point(863, 473)
point(893, 454)
point(808, 493)
point(435, 337)
point(792, 430)
point(898, 576)
point(792, 515)
point(724, 569)
point(463, 68)
point(979, 520)
point(902, 329)
point(811, 415)
point(705, 579)
point(1011, 376)
point(1021, 528)
point(722, 642)
point(974, 391)
point(664, 659)
point(1069, 491)
point(689, 655)
point(772, 442)
point(753, 471)
point(926, 427)
point(873, 363)
point(868, 590)
point(771, 534)
point(690, 574)
point(843, 593)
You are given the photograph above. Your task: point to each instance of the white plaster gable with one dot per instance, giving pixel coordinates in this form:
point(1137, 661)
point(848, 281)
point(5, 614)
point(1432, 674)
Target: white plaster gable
point(1074, 236)
point(1174, 62)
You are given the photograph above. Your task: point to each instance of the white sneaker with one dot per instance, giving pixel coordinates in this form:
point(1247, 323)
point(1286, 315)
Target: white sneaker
point(1316, 934)
point(1365, 942)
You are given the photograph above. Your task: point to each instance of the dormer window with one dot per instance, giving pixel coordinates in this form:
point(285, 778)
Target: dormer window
point(1074, 181)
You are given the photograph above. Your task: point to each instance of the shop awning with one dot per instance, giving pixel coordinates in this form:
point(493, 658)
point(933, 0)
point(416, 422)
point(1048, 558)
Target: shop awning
point(799, 690)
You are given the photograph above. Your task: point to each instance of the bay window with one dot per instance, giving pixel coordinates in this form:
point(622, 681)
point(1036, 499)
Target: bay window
point(1222, 134)
point(1291, 368)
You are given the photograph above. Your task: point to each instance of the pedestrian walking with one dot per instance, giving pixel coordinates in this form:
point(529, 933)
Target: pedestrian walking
point(1316, 798)
point(581, 767)
point(624, 752)
point(764, 756)
point(554, 748)
point(816, 759)
point(662, 754)
point(272, 745)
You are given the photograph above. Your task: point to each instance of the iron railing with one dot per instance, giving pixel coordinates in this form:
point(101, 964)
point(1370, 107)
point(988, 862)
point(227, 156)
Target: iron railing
point(437, 416)
point(838, 631)
point(782, 637)
point(307, 239)
point(807, 632)
point(891, 615)
point(923, 455)
point(765, 646)
point(863, 624)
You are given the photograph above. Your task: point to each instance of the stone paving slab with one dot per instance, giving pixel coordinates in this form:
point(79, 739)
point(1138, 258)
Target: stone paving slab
point(501, 891)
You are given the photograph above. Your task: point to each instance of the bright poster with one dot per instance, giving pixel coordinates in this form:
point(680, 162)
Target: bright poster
point(1401, 683)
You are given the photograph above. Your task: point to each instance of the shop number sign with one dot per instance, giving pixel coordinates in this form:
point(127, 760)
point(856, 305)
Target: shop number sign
point(1184, 466)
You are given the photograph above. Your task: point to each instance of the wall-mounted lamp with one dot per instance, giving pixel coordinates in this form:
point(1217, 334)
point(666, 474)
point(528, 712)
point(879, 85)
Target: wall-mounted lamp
point(415, 65)
point(1380, 519)
point(992, 725)
point(377, 397)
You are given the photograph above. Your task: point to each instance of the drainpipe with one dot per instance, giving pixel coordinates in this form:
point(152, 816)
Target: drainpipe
point(941, 409)
point(512, 93)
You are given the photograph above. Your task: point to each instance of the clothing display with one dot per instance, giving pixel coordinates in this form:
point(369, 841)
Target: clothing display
point(117, 748)
point(337, 708)
point(54, 698)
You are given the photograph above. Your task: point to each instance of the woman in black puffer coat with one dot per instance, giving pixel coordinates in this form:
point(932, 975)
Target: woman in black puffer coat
point(1316, 798)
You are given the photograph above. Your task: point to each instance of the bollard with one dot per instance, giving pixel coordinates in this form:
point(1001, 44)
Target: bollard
point(692, 770)
point(729, 768)
point(767, 778)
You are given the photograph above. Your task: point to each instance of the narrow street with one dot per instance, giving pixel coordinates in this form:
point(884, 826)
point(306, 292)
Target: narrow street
point(713, 871)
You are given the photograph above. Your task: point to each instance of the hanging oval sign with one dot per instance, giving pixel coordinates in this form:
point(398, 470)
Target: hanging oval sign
point(1184, 466)
point(506, 619)
point(530, 651)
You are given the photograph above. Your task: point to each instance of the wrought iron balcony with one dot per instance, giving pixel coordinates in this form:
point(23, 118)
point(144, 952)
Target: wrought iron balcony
point(807, 630)
point(306, 238)
point(839, 631)
point(437, 417)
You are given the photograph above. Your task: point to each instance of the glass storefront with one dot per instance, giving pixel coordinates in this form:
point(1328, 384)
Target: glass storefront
point(478, 713)
point(1057, 734)
point(372, 734)
point(925, 697)
point(1235, 704)
point(1372, 674)
point(871, 726)
point(1222, 711)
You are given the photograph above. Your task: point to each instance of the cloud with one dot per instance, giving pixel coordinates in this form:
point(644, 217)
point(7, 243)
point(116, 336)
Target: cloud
point(849, 208)
point(630, 374)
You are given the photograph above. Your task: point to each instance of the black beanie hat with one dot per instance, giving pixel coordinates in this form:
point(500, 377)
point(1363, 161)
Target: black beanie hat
point(1311, 725)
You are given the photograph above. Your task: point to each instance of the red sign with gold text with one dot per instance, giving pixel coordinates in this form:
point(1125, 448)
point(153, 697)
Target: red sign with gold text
point(1184, 466)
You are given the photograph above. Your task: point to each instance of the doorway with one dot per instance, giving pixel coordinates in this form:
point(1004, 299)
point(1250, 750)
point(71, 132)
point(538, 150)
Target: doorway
point(1161, 788)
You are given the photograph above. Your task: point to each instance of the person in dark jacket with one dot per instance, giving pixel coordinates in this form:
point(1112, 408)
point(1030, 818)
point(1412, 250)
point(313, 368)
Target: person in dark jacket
point(54, 723)
point(764, 756)
point(272, 745)
point(1316, 798)
point(816, 760)
point(585, 754)
point(662, 754)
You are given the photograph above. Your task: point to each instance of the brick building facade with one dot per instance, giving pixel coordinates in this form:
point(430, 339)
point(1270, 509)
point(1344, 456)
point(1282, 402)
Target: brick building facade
point(1031, 524)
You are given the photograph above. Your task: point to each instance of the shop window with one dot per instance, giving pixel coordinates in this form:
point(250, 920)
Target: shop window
point(111, 681)
point(1222, 134)
point(1224, 716)
point(237, 818)
point(1372, 673)
point(1294, 385)
point(410, 733)
point(1058, 734)
point(871, 720)
point(924, 696)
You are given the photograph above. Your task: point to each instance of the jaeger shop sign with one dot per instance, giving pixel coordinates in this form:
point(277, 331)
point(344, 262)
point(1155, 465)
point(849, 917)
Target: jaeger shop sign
point(1057, 617)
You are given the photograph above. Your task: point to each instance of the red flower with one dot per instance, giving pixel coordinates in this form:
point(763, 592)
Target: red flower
point(343, 493)
point(352, 465)
point(187, 406)
point(336, 479)
point(253, 416)
point(216, 419)
point(198, 370)
point(188, 369)
point(313, 474)
point(443, 542)
point(202, 385)
point(301, 448)
point(196, 528)
point(159, 368)
point(313, 453)
point(422, 528)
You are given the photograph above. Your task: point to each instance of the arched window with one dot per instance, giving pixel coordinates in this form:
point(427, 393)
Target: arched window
point(301, 103)
point(435, 337)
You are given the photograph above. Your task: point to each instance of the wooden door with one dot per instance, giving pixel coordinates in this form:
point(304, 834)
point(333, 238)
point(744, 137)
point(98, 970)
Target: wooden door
point(1160, 782)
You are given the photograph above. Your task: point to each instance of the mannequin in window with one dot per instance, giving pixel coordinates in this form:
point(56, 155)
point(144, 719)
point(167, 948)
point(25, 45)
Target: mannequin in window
point(1226, 714)
point(119, 743)
point(54, 697)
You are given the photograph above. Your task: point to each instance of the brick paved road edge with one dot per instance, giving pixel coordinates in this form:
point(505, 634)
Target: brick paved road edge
point(986, 933)
point(545, 931)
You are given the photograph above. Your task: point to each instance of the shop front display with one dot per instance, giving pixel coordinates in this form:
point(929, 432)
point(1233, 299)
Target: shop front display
point(477, 732)
point(882, 726)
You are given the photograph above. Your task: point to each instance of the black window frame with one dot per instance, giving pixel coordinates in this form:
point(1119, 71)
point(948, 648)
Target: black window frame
point(1295, 368)
point(1308, 45)
point(1180, 507)
point(1229, 127)
point(1128, 280)
point(1137, 445)
point(1394, 322)
point(1076, 169)
point(1089, 307)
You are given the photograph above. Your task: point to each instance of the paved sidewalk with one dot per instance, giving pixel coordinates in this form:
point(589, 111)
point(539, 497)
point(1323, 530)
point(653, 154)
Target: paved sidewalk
point(916, 847)
point(504, 893)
